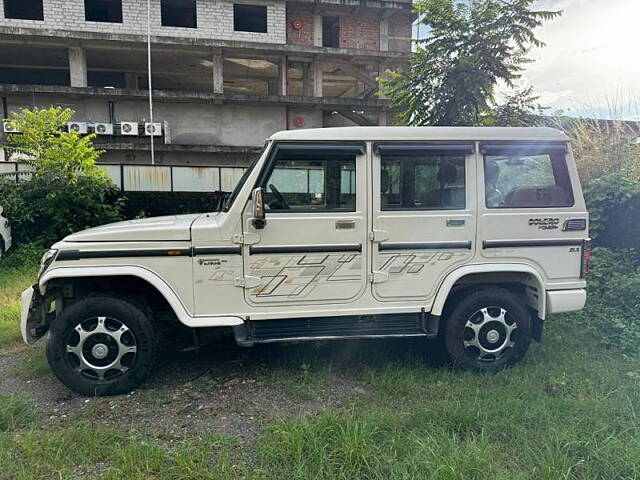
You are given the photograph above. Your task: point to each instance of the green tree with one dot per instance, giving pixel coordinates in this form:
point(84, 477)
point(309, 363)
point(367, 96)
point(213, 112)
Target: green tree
point(470, 48)
point(521, 109)
point(65, 190)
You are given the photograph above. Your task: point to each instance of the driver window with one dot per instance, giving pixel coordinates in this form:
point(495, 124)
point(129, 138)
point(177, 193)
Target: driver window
point(323, 183)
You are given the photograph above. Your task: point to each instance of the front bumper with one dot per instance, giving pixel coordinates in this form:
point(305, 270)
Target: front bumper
point(32, 315)
point(560, 301)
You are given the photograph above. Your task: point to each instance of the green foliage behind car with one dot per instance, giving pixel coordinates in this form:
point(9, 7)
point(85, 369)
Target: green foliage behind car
point(612, 314)
point(66, 191)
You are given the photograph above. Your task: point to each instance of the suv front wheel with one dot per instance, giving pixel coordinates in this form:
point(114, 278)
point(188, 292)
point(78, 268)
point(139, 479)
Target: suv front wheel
point(102, 345)
point(488, 330)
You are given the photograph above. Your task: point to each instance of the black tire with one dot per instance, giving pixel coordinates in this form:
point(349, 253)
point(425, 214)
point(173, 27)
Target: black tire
point(495, 330)
point(114, 312)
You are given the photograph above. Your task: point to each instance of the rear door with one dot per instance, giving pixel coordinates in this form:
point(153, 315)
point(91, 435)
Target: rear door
point(423, 216)
point(532, 208)
point(313, 247)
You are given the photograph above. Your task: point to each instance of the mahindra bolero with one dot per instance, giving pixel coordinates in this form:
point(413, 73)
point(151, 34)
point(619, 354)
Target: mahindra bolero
point(472, 236)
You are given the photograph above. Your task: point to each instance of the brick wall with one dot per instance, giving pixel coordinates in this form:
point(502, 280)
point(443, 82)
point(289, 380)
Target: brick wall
point(215, 20)
point(304, 19)
point(360, 32)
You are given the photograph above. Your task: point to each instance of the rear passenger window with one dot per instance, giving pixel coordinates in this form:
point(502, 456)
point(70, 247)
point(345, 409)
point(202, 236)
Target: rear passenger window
point(433, 182)
point(323, 182)
point(527, 180)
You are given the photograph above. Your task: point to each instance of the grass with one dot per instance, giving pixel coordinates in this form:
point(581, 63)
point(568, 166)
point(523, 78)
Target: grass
point(571, 410)
point(15, 412)
point(17, 271)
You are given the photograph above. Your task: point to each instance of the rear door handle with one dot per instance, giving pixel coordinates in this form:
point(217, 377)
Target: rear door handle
point(345, 224)
point(455, 222)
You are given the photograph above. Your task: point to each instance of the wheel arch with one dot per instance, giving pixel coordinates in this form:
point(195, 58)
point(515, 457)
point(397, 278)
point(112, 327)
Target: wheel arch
point(494, 274)
point(154, 282)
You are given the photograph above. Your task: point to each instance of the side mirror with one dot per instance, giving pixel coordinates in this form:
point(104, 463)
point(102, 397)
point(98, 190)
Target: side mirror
point(257, 198)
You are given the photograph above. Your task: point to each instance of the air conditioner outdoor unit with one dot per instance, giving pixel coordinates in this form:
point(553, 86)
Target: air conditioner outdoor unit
point(129, 128)
point(9, 127)
point(152, 129)
point(78, 127)
point(103, 128)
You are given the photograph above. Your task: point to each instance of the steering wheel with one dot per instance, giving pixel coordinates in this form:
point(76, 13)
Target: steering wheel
point(279, 197)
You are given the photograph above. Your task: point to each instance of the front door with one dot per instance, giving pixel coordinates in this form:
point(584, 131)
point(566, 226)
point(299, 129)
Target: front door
point(423, 216)
point(313, 247)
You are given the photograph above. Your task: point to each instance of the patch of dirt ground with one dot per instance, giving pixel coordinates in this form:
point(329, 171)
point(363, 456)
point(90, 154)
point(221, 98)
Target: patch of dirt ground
point(226, 389)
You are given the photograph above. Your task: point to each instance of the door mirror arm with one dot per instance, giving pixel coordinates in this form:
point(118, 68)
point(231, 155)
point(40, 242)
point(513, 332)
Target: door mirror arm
point(257, 197)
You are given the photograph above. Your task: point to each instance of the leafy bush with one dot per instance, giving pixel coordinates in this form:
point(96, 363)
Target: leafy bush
point(606, 196)
point(66, 191)
point(612, 314)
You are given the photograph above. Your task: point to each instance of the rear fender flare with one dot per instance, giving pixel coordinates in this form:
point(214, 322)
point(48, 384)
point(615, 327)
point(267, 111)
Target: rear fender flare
point(451, 279)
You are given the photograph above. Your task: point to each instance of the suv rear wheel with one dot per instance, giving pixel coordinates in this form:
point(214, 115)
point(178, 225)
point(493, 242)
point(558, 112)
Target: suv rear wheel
point(102, 345)
point(488, 330)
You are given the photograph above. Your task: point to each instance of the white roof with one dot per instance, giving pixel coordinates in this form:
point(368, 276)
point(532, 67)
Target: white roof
point(423, 133)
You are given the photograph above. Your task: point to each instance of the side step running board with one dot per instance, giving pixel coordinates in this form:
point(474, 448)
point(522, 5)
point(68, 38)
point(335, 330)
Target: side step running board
point(333, 328)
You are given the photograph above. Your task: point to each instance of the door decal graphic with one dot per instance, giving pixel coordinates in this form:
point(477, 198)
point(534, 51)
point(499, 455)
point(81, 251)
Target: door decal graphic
point(298, 275)
point(398, 265)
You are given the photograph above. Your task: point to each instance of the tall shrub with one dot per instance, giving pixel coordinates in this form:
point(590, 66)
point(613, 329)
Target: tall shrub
point(604, 147)
point(612, 314)
point(66, 191)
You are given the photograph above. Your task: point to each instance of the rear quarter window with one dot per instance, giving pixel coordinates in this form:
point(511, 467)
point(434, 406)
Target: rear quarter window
point(527, 180)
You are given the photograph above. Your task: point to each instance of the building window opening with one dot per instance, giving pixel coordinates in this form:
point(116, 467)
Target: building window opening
point(24, 9)
point(250, 18)
point(331, 32)
point(179, 13)
point(103, 11)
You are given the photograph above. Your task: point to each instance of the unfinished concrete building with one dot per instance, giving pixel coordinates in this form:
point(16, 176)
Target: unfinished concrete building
point(225, 74)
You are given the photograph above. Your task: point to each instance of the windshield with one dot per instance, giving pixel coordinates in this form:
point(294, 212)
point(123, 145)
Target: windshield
point(239, 185)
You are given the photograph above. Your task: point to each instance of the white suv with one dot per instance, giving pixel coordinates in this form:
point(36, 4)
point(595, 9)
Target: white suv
point(5, 233)
point(472, 235)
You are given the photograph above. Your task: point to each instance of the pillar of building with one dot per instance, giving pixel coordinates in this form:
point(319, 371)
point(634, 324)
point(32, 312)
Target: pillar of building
point(317, 78)
point(283, 70)
point(317, 30)
point(382, 68)
point(383, 118)
point(384, 35)
point(131, 81)
point(77, 67)
point(307, 80)
point(217, 68)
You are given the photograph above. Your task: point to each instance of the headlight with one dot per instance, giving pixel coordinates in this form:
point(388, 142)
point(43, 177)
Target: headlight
point(47, 259)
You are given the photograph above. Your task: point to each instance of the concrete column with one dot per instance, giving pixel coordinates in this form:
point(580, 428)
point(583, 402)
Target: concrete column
point(131, 81)
point(381, 73)
point(384, 35)
point(307, 80)
point(317, 30)
point(283, 70)
point(218, 71)
point(383, 118)
point(317, 78)
point(77, 67)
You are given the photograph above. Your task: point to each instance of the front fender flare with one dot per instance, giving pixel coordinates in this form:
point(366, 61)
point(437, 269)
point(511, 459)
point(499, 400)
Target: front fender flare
point(150, 277)
point(450, 280)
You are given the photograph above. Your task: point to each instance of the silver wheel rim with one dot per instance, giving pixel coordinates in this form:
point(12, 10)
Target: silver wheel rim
point(488, 334)
point(101, 348)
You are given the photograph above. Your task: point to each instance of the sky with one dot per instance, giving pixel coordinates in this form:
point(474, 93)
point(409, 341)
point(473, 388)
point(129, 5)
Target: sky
point(590, 65)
